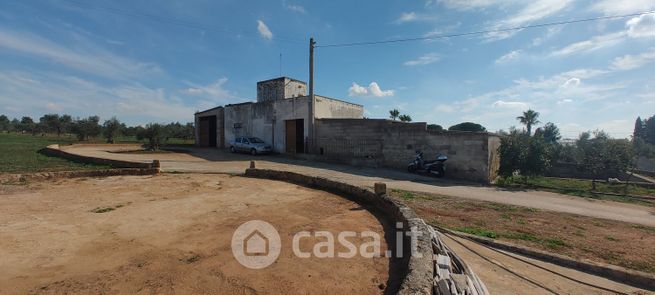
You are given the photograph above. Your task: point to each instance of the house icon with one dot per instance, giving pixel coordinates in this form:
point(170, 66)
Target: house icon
point(256, 244)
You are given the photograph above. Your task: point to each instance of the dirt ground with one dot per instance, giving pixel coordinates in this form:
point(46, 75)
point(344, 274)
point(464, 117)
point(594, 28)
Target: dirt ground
point(601, 240)
point(171, 234)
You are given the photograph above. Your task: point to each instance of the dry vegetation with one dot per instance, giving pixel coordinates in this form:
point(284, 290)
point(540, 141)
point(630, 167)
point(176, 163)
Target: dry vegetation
point(613, 242)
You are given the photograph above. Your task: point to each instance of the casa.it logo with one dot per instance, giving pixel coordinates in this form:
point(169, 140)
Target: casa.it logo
point(256, 244)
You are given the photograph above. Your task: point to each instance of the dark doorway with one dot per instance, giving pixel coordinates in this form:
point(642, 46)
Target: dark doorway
point(207, 131)
point(295, 136)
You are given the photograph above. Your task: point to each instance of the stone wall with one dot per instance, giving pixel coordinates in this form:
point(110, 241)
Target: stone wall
point(374, 142)
point(56, 150)
point(417, 273)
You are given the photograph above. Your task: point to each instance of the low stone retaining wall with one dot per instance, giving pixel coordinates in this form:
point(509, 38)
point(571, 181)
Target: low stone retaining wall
point(626, 276)
point(56, 151)
point(15, 178)
point(419, 272)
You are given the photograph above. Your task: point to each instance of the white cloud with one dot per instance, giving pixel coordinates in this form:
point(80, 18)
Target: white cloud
point(372, 90)
point(534, 11)
point(510, 104)
point(263, 30)
point(592, 44)
point(294, 7)
point(613, 7)
point(407, 17)
point(474, 4)
point(214, 90)
point(629, 62)
point(573, 82)
point(552, 31)
point(423, 60)
point(88, 58)
point(53, 107)
point(512, 55)
point(638, 27)
point(641, 26)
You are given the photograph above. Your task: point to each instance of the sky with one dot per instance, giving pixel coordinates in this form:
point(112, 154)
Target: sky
point(161, 61)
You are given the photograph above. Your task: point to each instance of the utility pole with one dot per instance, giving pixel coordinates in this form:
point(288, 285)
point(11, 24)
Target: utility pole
point(312, 105)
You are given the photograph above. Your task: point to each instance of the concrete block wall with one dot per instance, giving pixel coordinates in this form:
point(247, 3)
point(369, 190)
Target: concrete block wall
point(280, 88)
point(374, 142)
point(337, 109)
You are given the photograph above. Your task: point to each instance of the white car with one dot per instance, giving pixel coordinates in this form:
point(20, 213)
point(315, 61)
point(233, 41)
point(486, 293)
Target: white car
point(252, 145)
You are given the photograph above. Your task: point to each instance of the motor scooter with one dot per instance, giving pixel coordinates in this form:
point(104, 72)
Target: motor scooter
point(435, 168)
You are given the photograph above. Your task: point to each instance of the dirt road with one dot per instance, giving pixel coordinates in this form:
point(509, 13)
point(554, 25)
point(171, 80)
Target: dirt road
point(171, 234)
point(215, 161)
point(507, 273)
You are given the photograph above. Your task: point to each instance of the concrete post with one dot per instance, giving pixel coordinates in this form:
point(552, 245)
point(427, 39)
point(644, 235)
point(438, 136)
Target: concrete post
point(380, 188)
point(252, 164)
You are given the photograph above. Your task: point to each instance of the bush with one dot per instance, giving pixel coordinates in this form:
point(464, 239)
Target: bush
point(155, 134)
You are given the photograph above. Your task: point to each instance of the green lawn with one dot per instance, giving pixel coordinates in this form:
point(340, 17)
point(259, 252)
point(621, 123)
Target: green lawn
point(581, 188)
point(19, 153)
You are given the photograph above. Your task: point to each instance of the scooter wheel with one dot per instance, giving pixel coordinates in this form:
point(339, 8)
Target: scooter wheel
point(411, 168)
point(441, 172)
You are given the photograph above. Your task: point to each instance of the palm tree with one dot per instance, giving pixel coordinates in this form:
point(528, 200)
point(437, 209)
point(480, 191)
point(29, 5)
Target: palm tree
point(528, 119)
point(393, 114)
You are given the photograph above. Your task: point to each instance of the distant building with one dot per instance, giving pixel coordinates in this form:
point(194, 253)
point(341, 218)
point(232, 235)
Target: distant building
point(281, 117)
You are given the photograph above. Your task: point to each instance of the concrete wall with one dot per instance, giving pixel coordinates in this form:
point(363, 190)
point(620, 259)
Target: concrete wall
point(265, 120)
point(219, 113)
point(337, 109)
point(280, 88)
point(471, 155)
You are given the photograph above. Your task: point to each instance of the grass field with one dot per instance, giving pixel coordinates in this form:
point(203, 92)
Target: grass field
point(19, 152)
point(581, 188)
point(606, 241)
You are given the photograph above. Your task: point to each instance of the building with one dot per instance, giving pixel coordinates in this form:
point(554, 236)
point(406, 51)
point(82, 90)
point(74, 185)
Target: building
point(281, 116)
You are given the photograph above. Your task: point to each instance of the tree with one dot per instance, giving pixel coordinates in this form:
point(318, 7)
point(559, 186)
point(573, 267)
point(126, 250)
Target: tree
point(528, 156)
point(393, 114)
point(27, 125)
point(50, 123)
point(550, 133)
point(189, 131)
point(86, 128)
point(15, 125)
point(111, 129)
point(649, 130)
point(639, 129)
point(5, 124)
point(602, 156)
point(468, 126)
point(529, 118)
point(155, 134)
point(435, 127)
point(405, 118)
point(65, 123)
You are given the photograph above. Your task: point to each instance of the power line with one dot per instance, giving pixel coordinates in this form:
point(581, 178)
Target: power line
point(559, 23)
point(166, 19)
